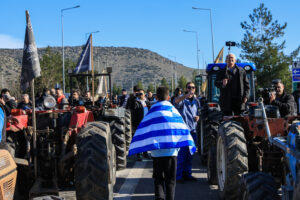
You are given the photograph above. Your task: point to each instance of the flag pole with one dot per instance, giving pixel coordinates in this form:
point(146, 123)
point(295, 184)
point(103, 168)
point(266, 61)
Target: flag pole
point(34, 127)
point(92, 63)
point(33, 115)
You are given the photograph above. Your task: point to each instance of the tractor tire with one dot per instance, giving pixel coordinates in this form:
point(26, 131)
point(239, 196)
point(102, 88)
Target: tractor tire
point(232, 158)
point(94, 163)
point(212, 167)
point(209, 140)
point(128, 132)
point(258, 186)
point(118, 139)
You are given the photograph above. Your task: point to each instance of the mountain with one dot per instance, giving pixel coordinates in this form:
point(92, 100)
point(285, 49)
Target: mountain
point(129, 65)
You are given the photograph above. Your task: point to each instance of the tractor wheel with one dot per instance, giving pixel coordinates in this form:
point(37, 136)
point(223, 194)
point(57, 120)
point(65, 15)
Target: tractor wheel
point(118, 138)
point(232, 158)
point(128, 132)
point(209, 139)
point(94, 163)
point(212, 167)
point(258, 186)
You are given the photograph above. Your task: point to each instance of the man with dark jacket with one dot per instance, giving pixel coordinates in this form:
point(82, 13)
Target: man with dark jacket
point(137, 104)
point(25, 104)
point(7, 101)
point(234, 87)
point(285, 102)
point(123, 98)
point(296, 95)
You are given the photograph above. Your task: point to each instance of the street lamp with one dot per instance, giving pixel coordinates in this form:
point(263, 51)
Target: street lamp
point(211, 29)
point(87, 78)
point(196, 33)
point(174, 78)
point(86, 34)
point(62, 42)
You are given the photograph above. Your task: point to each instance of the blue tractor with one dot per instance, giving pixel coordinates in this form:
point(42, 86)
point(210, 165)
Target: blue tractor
point(211, 115)
point(252, 155)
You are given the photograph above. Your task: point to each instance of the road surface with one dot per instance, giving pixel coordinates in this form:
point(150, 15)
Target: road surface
point(136, 183)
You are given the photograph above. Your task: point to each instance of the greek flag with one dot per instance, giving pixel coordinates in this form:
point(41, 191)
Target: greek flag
point(84, 63)
point(162, 128)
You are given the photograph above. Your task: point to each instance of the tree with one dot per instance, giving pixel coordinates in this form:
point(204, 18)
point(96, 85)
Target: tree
point(150, 88)
point(117, 90)
point(164, 83)
point(182, 82)
point(260, 46)
point(140, 84)
point(50, 70)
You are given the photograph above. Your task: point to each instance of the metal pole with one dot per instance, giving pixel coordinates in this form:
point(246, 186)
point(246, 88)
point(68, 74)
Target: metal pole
point(212, 36)
point(63, 53)
point(34, 128)
point(211, 29)
point(62, 44)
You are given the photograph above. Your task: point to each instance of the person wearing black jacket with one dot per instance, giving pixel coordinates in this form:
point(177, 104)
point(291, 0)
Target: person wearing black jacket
point(285, 102)
point(7, 101)
point(296, 95)
point(234, 87)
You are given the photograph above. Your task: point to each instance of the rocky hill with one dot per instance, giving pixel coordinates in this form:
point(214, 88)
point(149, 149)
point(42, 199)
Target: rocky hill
point(129, 65)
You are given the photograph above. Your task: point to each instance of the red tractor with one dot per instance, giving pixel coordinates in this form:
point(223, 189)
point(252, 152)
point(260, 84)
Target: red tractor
point(77, 146)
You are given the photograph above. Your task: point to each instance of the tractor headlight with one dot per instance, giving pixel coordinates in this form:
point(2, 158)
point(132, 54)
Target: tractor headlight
point(216, 68)
point(247, 68)
point(258, 113)
point(49, 102)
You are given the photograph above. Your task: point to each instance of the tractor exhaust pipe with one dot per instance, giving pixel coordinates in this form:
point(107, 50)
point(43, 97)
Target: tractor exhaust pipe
point(264, 116)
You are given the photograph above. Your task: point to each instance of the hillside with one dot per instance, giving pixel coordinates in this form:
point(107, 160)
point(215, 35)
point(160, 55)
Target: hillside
point(128, 64)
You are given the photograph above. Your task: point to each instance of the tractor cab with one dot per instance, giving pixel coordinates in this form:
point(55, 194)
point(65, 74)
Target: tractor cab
point(213, 93)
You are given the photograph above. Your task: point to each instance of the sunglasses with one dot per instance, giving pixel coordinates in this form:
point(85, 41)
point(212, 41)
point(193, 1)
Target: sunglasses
point(139, 94)
point(191, 87)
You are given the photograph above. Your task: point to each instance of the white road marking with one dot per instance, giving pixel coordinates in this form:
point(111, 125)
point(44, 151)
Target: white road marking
point(127, 189)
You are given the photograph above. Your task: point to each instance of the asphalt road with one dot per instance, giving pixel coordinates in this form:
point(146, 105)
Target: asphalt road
point(136, 183)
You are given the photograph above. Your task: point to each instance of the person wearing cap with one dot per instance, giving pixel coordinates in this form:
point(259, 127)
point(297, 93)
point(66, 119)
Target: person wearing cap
point(296, 95)
point(234, 87)
point(123, 98)
point(285, 102)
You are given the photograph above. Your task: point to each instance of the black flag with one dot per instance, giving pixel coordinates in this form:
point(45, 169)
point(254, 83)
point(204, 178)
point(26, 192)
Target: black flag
point(30, 64)
point(84, 63)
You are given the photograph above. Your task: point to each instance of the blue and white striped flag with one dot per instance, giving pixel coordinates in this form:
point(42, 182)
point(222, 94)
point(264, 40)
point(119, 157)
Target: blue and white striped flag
point(162, 128)
point(84, 63)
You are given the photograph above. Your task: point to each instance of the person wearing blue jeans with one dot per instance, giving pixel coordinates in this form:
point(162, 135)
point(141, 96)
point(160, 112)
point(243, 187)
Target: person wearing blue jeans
point(188, 106)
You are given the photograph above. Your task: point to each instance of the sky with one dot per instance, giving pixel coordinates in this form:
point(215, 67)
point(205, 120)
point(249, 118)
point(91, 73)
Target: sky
point(156, 25)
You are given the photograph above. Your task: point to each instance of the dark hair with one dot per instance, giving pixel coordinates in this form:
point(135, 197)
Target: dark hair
point(45, 90)
point(4, 90)
point(276, 81)
point(162, 93)
point(136, 88)
point(77, 91)
point(188, 84)
point(177, 90)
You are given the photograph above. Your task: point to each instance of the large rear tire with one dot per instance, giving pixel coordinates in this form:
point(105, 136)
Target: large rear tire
point(209, 140)
point(119, 140)
point(232, 159)
point(94, 163)
point(212, 167)
point(258, 186)
point(128, 132)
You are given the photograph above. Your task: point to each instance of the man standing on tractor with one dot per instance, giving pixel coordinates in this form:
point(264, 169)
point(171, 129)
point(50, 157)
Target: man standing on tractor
point(234, 87)
point(285, 102)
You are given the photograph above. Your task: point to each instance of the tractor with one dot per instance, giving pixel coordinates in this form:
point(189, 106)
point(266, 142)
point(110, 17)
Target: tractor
point(211, 115)
point(242, 157)
point(79, 147)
